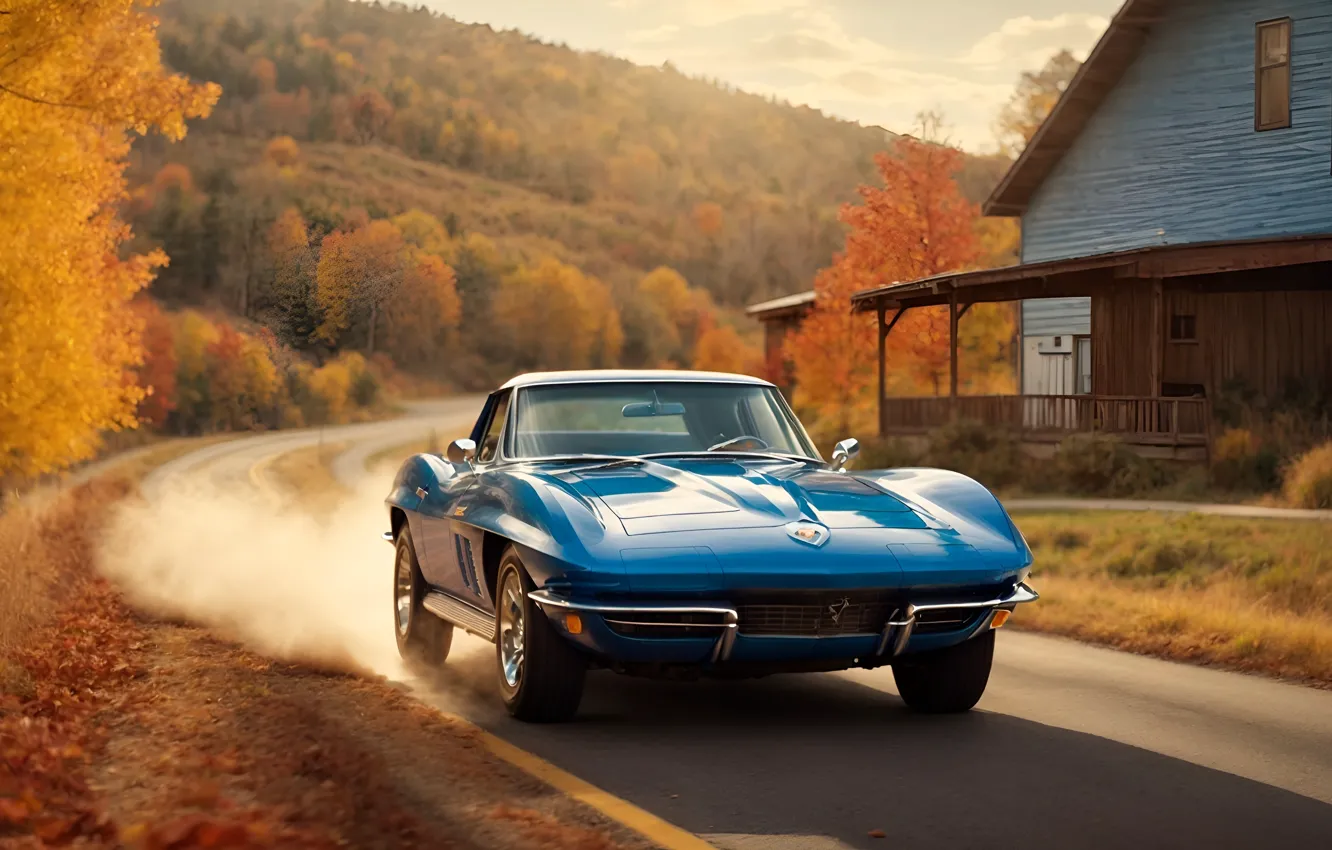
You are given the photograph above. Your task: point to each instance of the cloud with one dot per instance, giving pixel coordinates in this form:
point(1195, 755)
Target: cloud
point(655, 35)
point(786, 47)
point(1022, 38)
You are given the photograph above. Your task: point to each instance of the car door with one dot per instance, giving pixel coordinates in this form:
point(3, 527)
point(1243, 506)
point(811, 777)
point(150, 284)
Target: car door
point(452, 557)
point(469, 539)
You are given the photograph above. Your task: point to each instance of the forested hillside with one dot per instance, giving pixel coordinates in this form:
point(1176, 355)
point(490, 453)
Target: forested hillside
point(524, 152)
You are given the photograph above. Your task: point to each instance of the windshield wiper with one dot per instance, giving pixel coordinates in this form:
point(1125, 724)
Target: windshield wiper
point(782, 456)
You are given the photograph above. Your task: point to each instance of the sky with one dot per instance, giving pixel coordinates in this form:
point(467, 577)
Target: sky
point(879, 62)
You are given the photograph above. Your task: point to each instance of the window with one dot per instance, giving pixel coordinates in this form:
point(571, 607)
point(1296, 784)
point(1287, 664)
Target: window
point(490, 443)
point(1084, 365)
point(1183, 328)
point(1272, 76)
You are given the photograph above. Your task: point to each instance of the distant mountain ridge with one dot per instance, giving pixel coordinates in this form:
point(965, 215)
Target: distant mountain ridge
point(613, 166)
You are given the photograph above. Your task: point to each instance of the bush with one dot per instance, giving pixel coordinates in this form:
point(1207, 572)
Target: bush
point(1240, 461)
point(1308, 480)
point(991, 455)
point(1100, 464)
point(886, 453)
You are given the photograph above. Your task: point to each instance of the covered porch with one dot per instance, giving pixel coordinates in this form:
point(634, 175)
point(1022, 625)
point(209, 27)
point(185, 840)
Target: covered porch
point(1170, 326)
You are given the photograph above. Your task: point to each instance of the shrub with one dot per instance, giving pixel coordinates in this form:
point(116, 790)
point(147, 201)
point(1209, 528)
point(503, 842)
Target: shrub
point(1308, 480)
point(330, 385)
point(1240, 461)
point(886, 453)
point(1100, 464)
point(991, 455)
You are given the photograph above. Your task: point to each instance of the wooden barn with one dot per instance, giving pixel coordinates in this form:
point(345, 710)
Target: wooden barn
point(1177, 232)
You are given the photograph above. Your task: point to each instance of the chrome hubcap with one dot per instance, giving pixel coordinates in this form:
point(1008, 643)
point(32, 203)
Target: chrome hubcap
point(402, 591)
point(511, 630)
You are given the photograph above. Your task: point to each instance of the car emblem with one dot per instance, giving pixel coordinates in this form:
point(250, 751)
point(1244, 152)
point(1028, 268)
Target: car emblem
point(808, 532)
point(838, 607)
point(460, 511)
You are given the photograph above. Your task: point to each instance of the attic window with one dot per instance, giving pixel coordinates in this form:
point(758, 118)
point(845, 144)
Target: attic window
point(1272, 76)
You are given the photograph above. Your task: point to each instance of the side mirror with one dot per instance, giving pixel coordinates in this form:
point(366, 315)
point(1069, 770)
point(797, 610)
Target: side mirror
point(843, 452)
point(461, 451)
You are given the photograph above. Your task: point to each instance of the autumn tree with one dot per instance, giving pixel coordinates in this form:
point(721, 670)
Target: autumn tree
point(359, 271)
point(157, 372)
point(294, 269)
point(72, 88)
point(555, 317)
point(720, 348)
point(664, 317)
point(1036, 95)
point(916, 225)
point(425, 310)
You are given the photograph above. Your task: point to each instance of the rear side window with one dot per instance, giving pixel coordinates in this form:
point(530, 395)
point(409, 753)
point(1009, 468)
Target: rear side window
point(490, 442)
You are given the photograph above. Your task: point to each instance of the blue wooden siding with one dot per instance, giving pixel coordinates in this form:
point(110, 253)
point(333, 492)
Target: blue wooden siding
point(1171, 156)
point(1056, 316)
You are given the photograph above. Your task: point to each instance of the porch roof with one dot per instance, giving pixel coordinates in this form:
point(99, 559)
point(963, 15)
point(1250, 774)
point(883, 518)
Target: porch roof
point(787, 305)
point(1081, 276)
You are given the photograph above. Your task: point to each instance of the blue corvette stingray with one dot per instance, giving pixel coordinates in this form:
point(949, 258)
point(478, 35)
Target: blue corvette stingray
point(683, 524)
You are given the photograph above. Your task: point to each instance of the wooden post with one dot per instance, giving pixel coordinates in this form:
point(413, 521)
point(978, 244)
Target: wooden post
point(1156, 341)
point(952, 352)
point(883, 377)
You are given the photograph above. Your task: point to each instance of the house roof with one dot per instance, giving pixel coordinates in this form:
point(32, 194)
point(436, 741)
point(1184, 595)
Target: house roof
point(783, 306)
point(1060, 278)
point(1097, 77)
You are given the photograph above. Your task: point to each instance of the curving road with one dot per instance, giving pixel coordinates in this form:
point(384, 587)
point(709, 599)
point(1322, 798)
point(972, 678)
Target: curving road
point(1072, 747)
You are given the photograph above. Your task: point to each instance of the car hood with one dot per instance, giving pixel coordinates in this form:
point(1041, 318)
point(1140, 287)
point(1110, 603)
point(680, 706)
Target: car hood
point(702, 494)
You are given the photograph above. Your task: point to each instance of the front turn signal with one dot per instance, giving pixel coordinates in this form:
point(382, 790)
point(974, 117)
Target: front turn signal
point(573, 624)
point(1000, 617)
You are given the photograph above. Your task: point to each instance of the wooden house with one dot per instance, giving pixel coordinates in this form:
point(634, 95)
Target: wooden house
point(779, 317)
point(1176, 213)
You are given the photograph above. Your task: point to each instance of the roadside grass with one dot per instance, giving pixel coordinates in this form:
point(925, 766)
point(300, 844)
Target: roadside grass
point(307, 473)
point(1248, 594)
point(389, 458)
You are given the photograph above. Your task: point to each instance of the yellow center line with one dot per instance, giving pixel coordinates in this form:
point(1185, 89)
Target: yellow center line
point(660, 832)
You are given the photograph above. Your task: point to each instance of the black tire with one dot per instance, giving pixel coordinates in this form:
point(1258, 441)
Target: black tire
point(546, 684)
point(423, 639)
point(946, 681)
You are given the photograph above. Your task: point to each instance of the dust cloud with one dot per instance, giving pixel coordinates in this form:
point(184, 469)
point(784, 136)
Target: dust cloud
point(284, 582)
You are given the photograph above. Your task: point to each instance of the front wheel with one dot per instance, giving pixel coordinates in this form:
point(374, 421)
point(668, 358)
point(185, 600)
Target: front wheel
point(945, 681)
point(540, 673)
point(423, 639)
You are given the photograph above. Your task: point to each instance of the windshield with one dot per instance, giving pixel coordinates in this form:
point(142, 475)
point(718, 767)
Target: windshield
point(628, 419)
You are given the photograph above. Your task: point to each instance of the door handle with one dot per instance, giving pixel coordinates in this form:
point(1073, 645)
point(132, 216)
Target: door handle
point(422, 492)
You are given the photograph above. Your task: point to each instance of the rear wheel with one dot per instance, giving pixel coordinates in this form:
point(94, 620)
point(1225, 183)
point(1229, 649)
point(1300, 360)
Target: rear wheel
point(946, 680)
point(540, 673)
point(423, 638)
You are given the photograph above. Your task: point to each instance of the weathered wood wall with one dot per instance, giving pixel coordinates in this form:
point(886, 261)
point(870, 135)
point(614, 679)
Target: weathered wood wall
point(1121, 328)
point(1264, 338)
point(1261, 338)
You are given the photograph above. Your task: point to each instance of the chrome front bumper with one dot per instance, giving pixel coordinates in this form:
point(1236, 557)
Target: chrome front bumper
point(897, 631)
point(623, 615)
point(892, 640)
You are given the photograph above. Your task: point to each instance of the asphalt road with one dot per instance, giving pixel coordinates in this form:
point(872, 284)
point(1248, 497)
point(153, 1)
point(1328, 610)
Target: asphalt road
point(1073, 746)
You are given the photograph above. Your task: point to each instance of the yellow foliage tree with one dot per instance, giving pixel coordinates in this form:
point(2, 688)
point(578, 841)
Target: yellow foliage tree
point(558, 318)
point(73, 84)
point(422, 230)
point(359, 271)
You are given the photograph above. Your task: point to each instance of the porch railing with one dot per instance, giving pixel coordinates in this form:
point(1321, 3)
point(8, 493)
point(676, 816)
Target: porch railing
point(1147, 421)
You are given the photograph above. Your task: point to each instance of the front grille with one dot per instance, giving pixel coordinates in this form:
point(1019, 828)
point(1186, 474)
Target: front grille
point(819, 614)
point(650, 624)
point(946, 620)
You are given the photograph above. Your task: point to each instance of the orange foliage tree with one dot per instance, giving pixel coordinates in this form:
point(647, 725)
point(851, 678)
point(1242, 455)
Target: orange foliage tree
point(426, 308)
point(157, 373)
point(916, 225)
point(721, 349)
point(72, 86)
point(555, 317)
